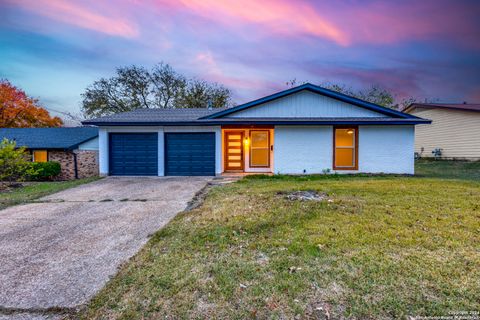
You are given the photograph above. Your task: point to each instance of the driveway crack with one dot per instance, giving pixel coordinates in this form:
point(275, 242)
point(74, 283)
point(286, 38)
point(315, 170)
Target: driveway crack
point(39, 311)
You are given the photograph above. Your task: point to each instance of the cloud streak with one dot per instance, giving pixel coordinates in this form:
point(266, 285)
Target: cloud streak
point(76, 14)
point(282, 17)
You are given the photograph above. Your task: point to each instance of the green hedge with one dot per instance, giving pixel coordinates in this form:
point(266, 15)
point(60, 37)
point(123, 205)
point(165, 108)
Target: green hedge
point(44, 170)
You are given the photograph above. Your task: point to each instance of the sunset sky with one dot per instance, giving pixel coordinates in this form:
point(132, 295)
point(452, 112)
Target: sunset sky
point(54, 49)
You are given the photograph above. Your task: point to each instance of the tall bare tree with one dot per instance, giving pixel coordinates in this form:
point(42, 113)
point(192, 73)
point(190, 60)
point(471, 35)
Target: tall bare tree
point(135, 87)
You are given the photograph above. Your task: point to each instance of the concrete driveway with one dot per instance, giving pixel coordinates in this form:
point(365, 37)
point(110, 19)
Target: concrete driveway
point(57, 253)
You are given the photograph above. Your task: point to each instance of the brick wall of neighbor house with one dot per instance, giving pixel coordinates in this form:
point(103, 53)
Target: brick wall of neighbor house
point(87, 163)
point(65, 158)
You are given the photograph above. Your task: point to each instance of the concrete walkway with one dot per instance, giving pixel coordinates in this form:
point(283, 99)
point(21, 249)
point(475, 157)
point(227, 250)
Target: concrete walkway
point(57, 253)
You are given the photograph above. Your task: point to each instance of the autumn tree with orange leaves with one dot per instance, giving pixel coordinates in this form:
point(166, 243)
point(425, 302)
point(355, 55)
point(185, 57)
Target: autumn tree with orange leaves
point(17, 110)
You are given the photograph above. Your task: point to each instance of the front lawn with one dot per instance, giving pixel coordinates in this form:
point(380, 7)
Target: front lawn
point(448, 169)
point(381, 247)
point(35, 190)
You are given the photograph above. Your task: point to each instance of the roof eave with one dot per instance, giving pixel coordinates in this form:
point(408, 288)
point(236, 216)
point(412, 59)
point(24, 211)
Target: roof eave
point(269, 122)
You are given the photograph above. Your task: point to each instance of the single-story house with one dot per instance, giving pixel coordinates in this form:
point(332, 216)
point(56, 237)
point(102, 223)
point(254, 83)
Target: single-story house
point(453, 134)
point(76, 148)
point(303, 130)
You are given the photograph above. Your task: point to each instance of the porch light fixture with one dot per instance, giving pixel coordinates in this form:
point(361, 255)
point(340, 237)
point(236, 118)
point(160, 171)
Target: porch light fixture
point(350, 131)
point(246, 140)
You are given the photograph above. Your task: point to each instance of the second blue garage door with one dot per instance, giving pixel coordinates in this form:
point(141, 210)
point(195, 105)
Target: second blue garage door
point(190, 154)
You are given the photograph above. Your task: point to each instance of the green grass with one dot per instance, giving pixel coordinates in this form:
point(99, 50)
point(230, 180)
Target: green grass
point(447, 169)
point(37, 190)
point(382, 247)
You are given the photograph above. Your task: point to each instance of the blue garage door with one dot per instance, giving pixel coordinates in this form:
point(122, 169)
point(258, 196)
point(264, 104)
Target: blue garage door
point(190, 154)
point(134, 154)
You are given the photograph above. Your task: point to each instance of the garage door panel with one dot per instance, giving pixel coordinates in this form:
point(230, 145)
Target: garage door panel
point(134, 154)
point(190, 154)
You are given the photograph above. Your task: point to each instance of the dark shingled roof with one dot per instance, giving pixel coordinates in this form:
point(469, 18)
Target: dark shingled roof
point(459, 106)
point(156, 115)
point(49, 138)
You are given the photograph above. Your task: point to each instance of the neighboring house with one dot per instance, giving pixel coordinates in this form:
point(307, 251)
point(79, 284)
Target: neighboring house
point(455, 130)
point(76, 149)
point(303, 130)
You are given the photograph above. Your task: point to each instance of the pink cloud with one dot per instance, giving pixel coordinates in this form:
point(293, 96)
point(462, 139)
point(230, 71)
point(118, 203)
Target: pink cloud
point(278, 16)
point(207, 66)
point(77, 14)
point(382, 22)
point(243, 85)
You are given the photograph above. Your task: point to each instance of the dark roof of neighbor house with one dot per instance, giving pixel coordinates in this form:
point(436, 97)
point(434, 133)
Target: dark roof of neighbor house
point(453, 106)
point(205, 116)
point(50, 138)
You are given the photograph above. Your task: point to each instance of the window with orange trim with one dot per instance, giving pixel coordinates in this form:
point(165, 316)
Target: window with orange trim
point(259, 148)
point(345, 153)
point(40, 156)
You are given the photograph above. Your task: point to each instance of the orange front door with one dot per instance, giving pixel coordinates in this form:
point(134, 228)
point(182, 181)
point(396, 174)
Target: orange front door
point(233, 151)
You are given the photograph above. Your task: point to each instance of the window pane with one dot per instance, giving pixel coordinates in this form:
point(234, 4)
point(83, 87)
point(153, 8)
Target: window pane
point(234, 137)
point(234, 144)
point(344, 137)
point(259, 157)
point(40, 156)
point(344, 157)
point(235, 164)
point(259, 139)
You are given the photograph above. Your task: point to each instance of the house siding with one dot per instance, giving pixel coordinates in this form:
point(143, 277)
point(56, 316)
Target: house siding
point(91, 144)
point(305, 104)
point(299, 150)
point(456, 132)
point(387, 149)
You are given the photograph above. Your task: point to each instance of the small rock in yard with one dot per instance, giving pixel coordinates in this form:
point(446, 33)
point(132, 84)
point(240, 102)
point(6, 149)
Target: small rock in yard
point(294, 269)
point(242, 286)
point(309, 195)
point(262, 258)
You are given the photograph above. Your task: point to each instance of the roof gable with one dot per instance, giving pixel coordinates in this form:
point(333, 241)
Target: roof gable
point(305, 104)
point(375, 110)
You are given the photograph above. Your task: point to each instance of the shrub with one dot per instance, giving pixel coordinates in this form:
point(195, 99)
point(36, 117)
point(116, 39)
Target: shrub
point(14, 162)
point(44, 170)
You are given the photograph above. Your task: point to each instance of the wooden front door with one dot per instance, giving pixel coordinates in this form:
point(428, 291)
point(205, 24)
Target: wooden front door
point(233, 151)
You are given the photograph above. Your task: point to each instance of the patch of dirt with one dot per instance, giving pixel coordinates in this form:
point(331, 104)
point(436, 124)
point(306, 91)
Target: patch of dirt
point(200, 196)
point(7, 187)
point(307, 195)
